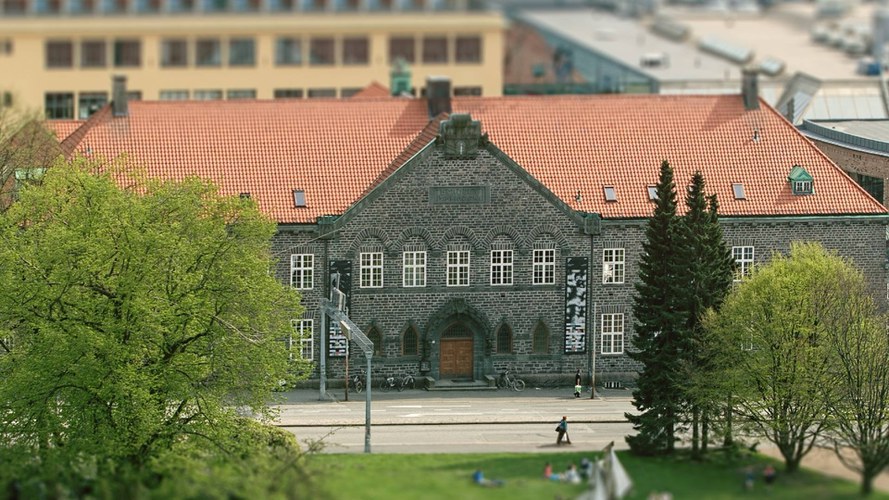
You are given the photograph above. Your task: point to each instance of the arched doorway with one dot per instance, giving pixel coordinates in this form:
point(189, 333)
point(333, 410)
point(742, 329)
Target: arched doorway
point(455, 361)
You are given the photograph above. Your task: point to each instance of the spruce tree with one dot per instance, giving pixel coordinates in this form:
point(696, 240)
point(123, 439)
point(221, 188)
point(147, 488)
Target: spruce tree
point(706, 275)
point(659, 322)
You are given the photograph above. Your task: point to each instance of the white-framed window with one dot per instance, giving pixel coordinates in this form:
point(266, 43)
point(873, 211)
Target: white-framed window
point(544, 266)
point(304, 336)
point(802, 187)
point(743, 256)
point(371, 269)
point(613, 265)
point(413, 269)
point(613, 333)
point(458, 268)
point(501, 267)
point(302, 270)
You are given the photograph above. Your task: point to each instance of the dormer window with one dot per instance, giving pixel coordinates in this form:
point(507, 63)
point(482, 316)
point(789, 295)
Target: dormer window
point(801, 182)
point(610, 193)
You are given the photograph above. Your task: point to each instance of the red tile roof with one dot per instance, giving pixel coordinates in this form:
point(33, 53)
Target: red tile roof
point(336, 150)
point(64, 128)
point(375, 89)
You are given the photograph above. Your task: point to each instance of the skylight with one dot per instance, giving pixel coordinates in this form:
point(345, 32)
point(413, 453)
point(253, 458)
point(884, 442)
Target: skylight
point(610, 193)
point(738, 189)
point(299, 198)
point(652, 193)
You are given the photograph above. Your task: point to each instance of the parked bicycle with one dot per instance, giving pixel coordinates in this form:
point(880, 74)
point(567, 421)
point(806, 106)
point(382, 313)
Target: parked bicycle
point(406, 382)
point(388, 383)
point(509, 381)
point(356, 383)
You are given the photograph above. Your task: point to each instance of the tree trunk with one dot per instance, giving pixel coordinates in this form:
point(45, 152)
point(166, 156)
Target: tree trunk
point(727, 439)
point(705, 431)
point(695, 435)
point(867, 483)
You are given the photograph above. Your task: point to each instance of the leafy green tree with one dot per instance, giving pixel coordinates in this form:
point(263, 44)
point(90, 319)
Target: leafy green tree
point(772, 330)
point(137, 324)
point(706, 276)
point(659, 323)
point(858, 395)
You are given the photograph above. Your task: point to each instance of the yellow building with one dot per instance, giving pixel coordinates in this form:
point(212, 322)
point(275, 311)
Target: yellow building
point(59, 55)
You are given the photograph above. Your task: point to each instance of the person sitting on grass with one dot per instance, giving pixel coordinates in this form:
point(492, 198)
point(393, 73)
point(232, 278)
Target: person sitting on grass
point(480, 479)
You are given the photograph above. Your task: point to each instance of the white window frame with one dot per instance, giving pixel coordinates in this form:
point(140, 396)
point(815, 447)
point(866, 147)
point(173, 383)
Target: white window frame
point(613, 265)
point(371, 269)
point(304, 330)
point(743, 261)
point(543, 268)
point(501, 267)
point(458, 268)
point(612, 333)
point(802, 187)
point(302, 271)
point(413, 269)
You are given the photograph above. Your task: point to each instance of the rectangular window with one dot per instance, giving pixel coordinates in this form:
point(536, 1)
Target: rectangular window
point(235, 94)
point(288, 51)
point(288, 93)
point(414, 269)
point(59, 54)
point(355, 51)
point(58, 105)
point(349, 91)
point(302, 271)
point(435, 50)
point(208, 52)
point(463, 91)
point(802, 187)
point(544, 267)
point(174, 95)
point(613, 333)
point(458, 268)
point(215, 5)
point(148, 6)
point(316, 93)
point(371, 269)
point(127, 53)
point(501, 267)
point(743, 256)
point(321, 51)
point(402, 47)
point(207, 95)
point(281, 5)
point(469, 49)
point(242, 52)
point(15, 7)
point(82, 6)
point(93, 54)
point(114, 6)
point(181, 5)
point(90, 102)
point(303, 330)
point(174, 53)
point(613, 265)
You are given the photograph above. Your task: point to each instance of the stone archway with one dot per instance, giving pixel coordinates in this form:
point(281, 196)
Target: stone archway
point(457, 335)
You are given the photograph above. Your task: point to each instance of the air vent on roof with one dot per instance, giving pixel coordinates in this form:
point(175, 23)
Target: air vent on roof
point(721, 48)
point(738, 190)
point(652, 193)
point(610, 193)
point(668, 28)
point(771, 66)
point(654, 60)
point(299, 198)
point(244, 196)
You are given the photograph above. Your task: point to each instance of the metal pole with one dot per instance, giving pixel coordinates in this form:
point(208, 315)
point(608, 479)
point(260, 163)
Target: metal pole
point(367, 410)
point(322, 365)
point(347, 369)
point(593, 356)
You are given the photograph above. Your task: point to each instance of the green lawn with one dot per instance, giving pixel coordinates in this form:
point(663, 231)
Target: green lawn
point(448, 476)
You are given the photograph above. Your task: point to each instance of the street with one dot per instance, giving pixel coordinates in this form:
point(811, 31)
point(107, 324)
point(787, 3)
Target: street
point(420, 421)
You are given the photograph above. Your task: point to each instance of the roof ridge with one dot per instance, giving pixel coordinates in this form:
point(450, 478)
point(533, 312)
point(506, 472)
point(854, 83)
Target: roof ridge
point(73, 140)
point(426, 135)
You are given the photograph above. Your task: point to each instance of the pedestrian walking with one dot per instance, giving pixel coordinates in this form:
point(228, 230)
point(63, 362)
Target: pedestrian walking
point(562, 429)
point(577, 384)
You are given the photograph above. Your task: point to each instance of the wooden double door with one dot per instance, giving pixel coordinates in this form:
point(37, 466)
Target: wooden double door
point(456, 352)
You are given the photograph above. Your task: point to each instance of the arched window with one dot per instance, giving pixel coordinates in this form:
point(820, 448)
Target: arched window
point(504, 339)
point(410, 342)
point(540, 339)
point(377, 338)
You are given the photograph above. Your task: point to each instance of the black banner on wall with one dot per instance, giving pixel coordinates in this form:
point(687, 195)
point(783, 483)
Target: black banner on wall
point(575, 304)
point(340, 272)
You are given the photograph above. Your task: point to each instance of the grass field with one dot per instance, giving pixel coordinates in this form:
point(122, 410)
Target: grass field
point(449, 476)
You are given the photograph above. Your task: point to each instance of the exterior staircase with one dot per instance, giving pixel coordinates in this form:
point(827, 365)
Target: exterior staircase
point(459, 385)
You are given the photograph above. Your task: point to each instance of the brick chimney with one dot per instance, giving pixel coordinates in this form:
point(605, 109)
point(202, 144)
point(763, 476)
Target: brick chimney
point(438, 95)
point(750, 88)
point(119, 105)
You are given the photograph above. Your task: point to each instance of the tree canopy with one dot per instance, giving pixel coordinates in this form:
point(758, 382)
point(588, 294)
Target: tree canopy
point(136, 323)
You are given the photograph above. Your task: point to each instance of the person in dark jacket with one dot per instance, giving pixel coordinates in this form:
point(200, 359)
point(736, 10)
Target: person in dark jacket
point(562, 429)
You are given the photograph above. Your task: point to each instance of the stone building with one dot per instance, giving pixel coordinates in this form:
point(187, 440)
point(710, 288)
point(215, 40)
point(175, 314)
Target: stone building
point(474, 234)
